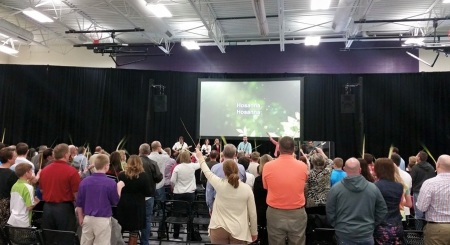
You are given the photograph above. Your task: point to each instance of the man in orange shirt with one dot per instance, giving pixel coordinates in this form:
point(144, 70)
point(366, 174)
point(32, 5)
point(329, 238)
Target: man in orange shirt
point(284, 179)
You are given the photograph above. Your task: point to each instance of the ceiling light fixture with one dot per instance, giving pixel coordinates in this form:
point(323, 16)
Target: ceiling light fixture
point(414, 41)
point(36, 15)
point(446, 1)
point(423, 61)
point(190, 45)
point(312, 40)
point(8, 50)
point(159, 10)
point(320, 4)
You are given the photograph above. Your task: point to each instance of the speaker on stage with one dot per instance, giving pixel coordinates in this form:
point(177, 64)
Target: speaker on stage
point(160, 103)
point(348, 103)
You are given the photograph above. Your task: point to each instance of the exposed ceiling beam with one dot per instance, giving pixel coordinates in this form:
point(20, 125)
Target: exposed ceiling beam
point(343, 14)
point(137, 29)
point(399, 20)
point(361, 11)
point(281, 24)
point(208, 18)
point(156, 25)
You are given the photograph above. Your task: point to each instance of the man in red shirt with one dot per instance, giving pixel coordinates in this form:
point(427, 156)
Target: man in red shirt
point(284, 179)
point(59, 185)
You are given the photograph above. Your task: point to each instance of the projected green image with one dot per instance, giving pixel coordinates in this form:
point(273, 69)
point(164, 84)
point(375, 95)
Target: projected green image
point(250, 108)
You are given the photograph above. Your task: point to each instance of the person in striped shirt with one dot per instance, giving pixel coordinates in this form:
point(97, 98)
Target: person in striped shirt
point(434, 199)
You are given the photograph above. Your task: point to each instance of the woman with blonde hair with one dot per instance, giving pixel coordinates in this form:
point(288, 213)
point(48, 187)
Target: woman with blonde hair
point(131, 206)
point(183, 182)
point(233, 220)
point(318, 183)
point(123, 158)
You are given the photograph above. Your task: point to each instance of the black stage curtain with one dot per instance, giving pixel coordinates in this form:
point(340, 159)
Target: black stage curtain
point(96, 106)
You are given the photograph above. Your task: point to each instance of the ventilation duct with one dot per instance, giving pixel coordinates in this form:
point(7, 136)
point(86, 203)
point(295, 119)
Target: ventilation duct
point(261, 19)
point(15, 32)
point(343, 14)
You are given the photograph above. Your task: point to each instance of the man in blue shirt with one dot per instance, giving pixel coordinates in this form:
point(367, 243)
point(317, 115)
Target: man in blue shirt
point(337, 174)
point(229, 152)
point(96, 194)
point(245, 146)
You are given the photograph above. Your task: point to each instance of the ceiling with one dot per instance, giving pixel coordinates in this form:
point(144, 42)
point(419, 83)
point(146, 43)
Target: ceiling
point(222, 22)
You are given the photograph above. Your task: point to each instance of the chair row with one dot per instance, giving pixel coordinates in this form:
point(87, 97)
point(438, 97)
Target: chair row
point(32, 235)
point(177, 213)
point(326, 236)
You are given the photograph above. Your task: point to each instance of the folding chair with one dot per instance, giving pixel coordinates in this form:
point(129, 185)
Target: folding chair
point(323, 236)
point(3, 240)
point(200, 217)
point(413, 237)
point(56, 237)
point(23, 235)
point(178, 213)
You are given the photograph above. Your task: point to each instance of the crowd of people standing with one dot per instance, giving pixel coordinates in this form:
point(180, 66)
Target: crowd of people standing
point(250, 197)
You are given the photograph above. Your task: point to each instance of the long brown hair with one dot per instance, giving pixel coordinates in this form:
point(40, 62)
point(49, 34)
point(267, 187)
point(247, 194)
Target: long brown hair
point(134, 167)
point(365, 172)
point(385, 169)
point(231, 172)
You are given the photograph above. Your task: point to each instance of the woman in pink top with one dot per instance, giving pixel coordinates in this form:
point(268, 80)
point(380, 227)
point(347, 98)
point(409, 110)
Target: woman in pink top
point(277, 146)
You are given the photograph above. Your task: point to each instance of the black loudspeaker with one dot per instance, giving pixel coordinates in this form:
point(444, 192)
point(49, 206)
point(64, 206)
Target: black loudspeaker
point(160, 103)
point(348, 103)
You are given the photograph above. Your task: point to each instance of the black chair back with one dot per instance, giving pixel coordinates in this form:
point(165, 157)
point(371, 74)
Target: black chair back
point(323, 236)
point(56, 237)
point(413, 237)
point(23, 235)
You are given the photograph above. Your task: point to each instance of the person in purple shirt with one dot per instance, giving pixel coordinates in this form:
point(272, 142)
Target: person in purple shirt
point(96, 194)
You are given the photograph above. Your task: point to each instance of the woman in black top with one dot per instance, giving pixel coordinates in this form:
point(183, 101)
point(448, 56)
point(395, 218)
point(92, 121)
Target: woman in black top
point(7, 180)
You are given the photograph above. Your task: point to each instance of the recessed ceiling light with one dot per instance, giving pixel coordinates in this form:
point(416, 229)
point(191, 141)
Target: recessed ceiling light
point(312, 40)
point(320, 4)
point(191, 45)
point(36, 15)
point(415, 41)
point(159, 10)
point(8, 50)
point(446, 1)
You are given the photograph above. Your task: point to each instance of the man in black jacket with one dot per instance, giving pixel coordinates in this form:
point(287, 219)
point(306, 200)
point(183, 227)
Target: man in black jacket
point(154, 175)
point(419, 173)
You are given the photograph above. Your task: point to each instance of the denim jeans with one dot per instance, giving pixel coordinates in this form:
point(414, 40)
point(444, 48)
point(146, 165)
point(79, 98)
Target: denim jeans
point(419, 215)
point(145, 233)
point(368, 241)
point(160, 195)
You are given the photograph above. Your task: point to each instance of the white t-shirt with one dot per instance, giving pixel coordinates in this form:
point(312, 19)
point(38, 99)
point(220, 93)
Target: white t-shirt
point(183, 178)
point(206, 148)
point(179, 146)
point(22, 196)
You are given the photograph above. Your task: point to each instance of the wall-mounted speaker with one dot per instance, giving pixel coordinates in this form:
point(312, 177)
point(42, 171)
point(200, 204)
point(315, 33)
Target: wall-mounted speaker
point(160, 103)
point(348, 103)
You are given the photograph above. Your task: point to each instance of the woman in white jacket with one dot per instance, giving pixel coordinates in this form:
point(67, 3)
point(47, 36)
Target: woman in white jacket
point(233, 220)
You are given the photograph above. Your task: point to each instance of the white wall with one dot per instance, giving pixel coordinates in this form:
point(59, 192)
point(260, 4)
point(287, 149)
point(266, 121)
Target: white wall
point(442, 63)
point(37, 55)
point(4, 58)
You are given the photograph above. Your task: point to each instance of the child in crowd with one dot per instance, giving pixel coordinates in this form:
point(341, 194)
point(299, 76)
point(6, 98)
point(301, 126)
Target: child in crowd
point(337, 174)
point(22, 197)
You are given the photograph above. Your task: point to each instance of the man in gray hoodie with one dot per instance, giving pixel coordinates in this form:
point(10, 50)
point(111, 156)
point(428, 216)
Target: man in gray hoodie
point(355, 206)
